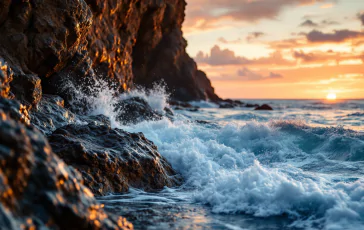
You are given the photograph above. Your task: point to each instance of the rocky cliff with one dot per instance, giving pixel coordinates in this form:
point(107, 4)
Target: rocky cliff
point(54, 159)
point(125, 42)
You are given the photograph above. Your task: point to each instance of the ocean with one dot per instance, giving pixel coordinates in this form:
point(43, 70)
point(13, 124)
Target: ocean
point(300, 166)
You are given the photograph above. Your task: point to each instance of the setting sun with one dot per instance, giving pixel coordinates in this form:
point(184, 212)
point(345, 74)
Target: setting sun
point(331, 96)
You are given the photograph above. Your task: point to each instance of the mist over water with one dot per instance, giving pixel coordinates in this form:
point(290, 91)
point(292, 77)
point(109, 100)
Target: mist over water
point(299, 166)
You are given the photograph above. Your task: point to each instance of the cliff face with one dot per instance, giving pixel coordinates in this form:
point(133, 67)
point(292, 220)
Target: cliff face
point(44, 43)
point(122, 41)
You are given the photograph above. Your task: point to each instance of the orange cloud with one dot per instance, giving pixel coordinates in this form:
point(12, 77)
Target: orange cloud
point(214, 11)
point(218, 57)
point(246, 74)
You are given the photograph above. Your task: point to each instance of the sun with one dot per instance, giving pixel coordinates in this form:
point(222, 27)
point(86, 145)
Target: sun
point(331, 96)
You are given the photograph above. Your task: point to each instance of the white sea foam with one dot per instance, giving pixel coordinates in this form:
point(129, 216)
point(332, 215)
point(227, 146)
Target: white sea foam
point(252, 167)
point(204, 104)
point(222, 164)
point(157, 97)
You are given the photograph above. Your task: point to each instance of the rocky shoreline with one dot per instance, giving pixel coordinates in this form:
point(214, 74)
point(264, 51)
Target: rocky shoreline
point(54, 156)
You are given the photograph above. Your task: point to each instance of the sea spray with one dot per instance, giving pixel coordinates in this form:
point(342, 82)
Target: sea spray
point(227, 174)
point(98, 97)
point(264, 169)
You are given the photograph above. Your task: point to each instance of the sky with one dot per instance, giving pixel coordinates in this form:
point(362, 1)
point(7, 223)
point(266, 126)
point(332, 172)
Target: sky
point(292, 49)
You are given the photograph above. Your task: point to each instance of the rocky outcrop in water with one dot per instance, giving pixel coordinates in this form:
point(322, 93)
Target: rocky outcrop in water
point(50, 114)
point(264, 107)
point(37, 189)
point(111, 160)
point(135, 110)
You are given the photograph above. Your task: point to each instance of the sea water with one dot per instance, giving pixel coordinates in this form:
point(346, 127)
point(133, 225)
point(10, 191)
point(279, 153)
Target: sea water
point(300, 166)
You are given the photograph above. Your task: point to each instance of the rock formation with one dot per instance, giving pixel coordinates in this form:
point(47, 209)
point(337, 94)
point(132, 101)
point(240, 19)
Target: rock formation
point(125, 42)
point(37, 189)
point(111, 160)
point(264, 107)
point(45, 45)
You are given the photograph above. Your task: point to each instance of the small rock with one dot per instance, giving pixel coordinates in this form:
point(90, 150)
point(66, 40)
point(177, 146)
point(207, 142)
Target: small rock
point(134, 110)
point(264, 107)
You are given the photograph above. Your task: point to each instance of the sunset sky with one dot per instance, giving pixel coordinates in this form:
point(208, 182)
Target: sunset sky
point(279, 48)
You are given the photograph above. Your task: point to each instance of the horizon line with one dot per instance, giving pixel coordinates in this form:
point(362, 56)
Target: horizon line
point(337, 99)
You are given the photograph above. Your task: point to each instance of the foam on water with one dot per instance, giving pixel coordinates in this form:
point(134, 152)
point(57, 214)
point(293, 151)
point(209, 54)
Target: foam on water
point(223, 165)
point(312, 175)
point(157, 97)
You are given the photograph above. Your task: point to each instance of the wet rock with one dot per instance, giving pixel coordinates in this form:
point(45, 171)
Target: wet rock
point(96, 120)
point(50, 114)
point(38, 190)
point(134, 110)
point(264, 107)
point(27, 89)
point(14, 110)
point(6, 76)
point(182, 105)
point(111, 160)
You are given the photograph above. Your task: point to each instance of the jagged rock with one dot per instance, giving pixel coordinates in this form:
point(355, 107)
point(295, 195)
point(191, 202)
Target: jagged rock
point(134, 110)
point(27, 89)
point(264, 107)
point(136, 42)
point(111, 160)
point(14, 110)
point(38, 190)
point(6, 75)
point(122, 42)
point(50, 114)
point(40, 36)
point(205, 84)
point(160, 54)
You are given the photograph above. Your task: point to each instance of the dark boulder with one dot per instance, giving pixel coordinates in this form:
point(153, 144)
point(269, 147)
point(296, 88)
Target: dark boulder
point(111, 160)
point(135, 110)
point(37, 189)
point(50, 114)
point(264, 107)
point(27, 89)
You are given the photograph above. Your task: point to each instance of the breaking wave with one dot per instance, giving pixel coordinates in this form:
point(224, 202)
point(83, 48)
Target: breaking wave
point(313, 175)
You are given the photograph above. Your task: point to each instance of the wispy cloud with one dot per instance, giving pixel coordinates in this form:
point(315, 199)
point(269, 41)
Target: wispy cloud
point(214, 11)
point(246, 74)
point(254, 35)
point(218, 56)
